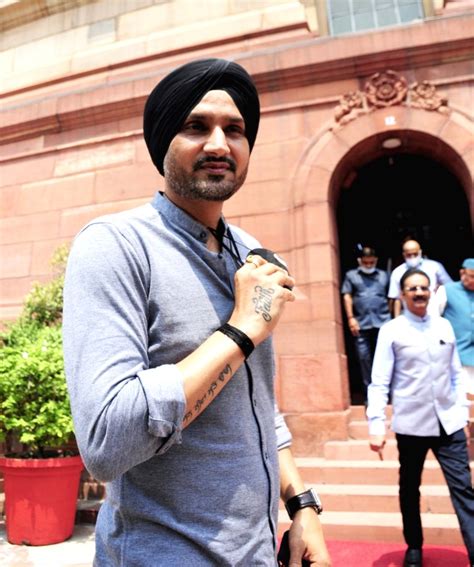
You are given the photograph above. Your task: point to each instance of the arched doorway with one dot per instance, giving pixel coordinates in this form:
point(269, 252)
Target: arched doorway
point(399, 195)
point(393, 196)
point(332, 158)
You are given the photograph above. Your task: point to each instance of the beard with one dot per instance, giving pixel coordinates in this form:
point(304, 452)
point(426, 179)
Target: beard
point(210, 188)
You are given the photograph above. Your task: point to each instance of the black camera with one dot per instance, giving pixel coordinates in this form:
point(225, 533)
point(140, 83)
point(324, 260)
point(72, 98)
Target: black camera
point(271, 257)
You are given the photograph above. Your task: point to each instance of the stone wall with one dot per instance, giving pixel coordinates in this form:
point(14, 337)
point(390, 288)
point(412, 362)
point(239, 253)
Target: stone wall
point(72, 150)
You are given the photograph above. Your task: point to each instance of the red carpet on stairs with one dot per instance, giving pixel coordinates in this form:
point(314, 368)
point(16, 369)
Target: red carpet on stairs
point(379, 554)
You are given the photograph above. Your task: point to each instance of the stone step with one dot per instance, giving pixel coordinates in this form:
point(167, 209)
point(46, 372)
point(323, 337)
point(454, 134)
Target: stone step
point(336, 498)
point(87, 510)
point(317, 470)
point(438, 529)
point(375, 498)
point(357, 413)
point(359, 429)
point(358, 449)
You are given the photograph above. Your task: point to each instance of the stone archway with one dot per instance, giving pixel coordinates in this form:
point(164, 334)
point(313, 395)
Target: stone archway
point(360, 126)
point(424, 123)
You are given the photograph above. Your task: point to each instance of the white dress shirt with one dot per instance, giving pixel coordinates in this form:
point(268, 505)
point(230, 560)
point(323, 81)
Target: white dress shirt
point(417, 362)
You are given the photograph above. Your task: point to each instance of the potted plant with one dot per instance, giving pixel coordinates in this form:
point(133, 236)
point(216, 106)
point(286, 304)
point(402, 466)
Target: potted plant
point(41, 466)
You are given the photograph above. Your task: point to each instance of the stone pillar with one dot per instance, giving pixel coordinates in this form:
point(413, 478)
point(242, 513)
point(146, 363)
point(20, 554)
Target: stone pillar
point(312, 386)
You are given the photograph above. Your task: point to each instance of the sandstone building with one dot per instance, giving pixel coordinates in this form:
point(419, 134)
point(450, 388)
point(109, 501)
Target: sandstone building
point(366, 136)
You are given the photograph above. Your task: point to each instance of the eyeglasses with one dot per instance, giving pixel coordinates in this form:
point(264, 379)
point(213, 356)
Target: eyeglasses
point(417, 287)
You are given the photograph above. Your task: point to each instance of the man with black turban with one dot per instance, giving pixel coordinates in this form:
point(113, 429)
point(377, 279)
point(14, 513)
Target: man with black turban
point(173, 98)
point(170, 366)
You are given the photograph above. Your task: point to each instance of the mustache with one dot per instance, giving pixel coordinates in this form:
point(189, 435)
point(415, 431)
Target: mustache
point(208, 159)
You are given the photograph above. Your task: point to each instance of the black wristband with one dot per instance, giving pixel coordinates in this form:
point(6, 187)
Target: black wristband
point(245, 343)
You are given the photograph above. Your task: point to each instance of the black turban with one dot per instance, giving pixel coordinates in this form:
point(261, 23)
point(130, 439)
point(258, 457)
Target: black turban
point(173, 98)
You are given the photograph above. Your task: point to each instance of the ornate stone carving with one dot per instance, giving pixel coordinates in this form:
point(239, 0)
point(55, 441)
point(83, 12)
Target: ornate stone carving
point(347, 103)
point(424, 95)
point(386, 89)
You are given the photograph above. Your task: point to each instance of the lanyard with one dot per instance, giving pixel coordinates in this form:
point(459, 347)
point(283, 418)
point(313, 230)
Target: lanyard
point(223, 232)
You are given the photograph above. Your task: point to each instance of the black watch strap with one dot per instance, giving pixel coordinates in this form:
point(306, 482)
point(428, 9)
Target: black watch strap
point(306, 499)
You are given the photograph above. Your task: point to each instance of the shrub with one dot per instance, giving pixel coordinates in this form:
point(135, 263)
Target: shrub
point(34, 403)
point(44, 304)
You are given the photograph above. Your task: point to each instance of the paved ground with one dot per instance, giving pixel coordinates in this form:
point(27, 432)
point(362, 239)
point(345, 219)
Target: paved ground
point(78, 551)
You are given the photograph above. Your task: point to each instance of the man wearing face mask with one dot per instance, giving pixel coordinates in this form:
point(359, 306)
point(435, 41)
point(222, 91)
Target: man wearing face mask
point(364, 296)
point(412, 253)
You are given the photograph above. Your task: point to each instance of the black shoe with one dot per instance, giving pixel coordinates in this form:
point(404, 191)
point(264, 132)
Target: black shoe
point(413, 558)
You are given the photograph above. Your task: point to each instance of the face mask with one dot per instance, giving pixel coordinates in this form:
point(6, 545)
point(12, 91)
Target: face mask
point(413, 261)
point(365, 269)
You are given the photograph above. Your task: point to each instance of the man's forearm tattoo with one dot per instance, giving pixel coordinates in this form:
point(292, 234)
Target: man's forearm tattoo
point(199, 403)
point(224, 375)
point(263, 301)
point(212, 389)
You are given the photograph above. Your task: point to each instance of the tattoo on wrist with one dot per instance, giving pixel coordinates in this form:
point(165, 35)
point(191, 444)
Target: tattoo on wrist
point(263, 301)
point(212, 389)
point(211, 392)
point(226, 373)
point(199, 403)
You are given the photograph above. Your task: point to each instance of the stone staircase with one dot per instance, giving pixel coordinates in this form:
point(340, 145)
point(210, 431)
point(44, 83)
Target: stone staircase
point(360, 492)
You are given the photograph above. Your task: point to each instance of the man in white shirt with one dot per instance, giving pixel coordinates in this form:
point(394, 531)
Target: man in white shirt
point(412, 253)
point(416, 360)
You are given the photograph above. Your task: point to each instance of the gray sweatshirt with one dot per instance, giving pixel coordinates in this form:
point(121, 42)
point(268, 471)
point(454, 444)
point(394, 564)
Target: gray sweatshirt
point(142, 292)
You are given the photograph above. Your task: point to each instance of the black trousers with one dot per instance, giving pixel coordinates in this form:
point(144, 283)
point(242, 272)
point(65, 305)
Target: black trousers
point(451, 453)
point(365, 345)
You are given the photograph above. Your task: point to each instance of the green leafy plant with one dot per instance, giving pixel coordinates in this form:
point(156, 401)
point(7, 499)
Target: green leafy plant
point(44, 304)
point(34, 403)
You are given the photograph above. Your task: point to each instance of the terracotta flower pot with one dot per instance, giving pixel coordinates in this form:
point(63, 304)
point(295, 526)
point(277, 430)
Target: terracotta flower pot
point(40, 498)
